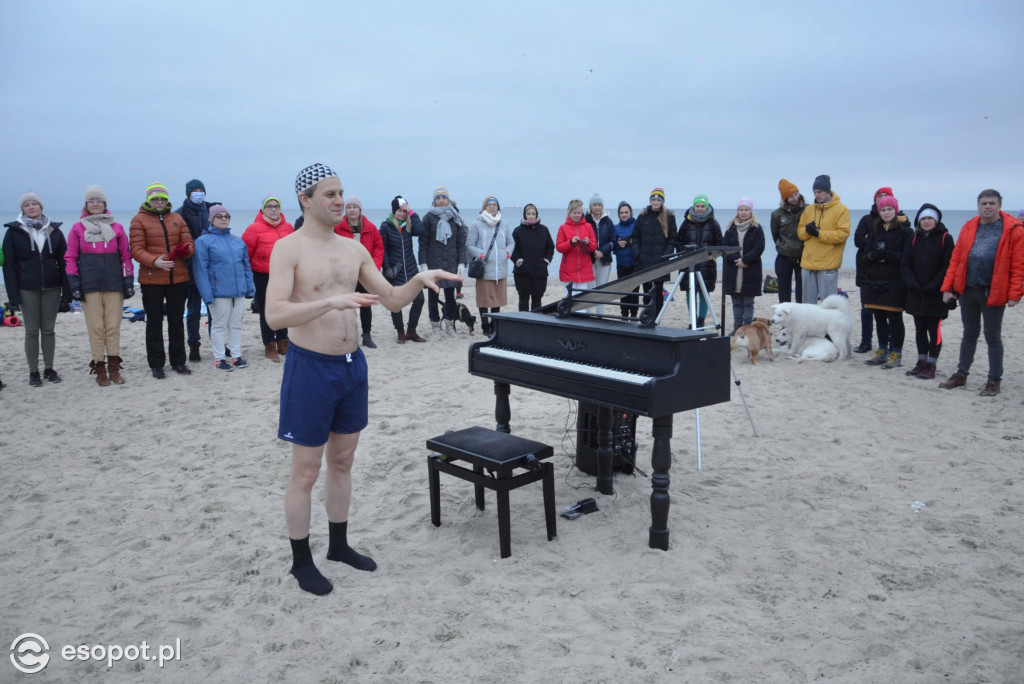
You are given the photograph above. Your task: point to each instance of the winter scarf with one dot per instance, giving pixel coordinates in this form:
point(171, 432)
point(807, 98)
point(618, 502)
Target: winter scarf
point(741, 231)
point(146, 207)
point(37, 229)
point(200, 211)
point(490, 220)
point(444, 228)
point(98, 227)
point(699, 217)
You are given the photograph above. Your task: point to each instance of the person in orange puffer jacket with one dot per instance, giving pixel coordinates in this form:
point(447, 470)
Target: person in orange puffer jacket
point(160, 242)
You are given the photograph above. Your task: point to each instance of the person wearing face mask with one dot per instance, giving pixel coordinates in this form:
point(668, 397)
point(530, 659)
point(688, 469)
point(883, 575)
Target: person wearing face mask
point(267, 228)
point(883, 289)
point(224, 280)
point(100, 272)
point(36, 281)
point(443, 246)
point(625, 263)
point(534, 249)
point(358, 227)
point(161, 242)
point(196, 212)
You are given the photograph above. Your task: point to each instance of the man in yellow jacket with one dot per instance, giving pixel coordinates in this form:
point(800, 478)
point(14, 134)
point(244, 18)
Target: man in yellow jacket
point(824, 228)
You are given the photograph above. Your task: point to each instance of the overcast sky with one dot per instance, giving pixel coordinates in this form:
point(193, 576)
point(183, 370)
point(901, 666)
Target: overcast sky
point(530, 101)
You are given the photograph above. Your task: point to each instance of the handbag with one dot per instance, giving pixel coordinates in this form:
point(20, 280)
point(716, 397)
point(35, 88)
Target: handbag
point(476, 266)
point(771, 283)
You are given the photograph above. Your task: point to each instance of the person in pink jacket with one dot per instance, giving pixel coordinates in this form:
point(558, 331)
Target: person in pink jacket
point(576, 242)
point(100, 272)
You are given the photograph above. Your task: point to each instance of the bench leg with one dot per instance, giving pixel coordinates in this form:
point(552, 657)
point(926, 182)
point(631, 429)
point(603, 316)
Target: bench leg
point(479, 489)
point(504, 523)
point(549, 500)
point(435, 490)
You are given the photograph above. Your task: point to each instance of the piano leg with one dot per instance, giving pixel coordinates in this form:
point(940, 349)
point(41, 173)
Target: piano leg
point(604, 450)
point(502, 410)
point(661, 461)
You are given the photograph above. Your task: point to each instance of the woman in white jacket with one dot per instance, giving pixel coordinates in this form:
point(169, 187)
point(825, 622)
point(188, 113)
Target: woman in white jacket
point(488, 228)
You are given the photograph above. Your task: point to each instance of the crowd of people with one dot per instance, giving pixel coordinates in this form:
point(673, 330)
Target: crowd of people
point(189, 257)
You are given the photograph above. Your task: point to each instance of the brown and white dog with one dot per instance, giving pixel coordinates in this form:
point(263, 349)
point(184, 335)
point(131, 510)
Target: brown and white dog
point(754, 337)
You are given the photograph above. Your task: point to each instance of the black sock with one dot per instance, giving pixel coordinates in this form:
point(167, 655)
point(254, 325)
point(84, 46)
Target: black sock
point(305, 570)
point(341, 551)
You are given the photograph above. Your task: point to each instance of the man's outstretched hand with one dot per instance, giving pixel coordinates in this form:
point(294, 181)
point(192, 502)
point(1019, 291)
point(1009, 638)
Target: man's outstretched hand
point(353, 300)
point(430, 278)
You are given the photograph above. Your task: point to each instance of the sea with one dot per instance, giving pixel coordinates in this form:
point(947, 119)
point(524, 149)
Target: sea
point(552, 218)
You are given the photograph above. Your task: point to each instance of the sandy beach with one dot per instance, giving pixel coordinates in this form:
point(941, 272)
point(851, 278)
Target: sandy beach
point(871, 532)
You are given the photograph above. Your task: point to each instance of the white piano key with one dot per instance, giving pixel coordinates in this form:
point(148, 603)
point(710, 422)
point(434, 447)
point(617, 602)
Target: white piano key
point(570, 366)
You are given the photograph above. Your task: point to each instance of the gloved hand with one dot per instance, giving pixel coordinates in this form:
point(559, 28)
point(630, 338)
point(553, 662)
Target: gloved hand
point(76, 294)
point(128, 287)
point(461, 270)
point(812, 229)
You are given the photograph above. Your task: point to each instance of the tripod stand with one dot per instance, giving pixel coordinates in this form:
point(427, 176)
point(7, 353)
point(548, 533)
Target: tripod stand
point(696, 278)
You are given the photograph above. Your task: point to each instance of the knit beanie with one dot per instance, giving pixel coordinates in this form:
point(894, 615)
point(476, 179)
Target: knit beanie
point(702, 198)
point(439, 191)
point(624, 203)
point(218, 209)
point(29, 196)
point(925, 213)
point(890, 201)
point(398, 203)
point(266, 199)
point(352, 199)
point(595, 199)
point(746, 202)
point(823, 183)
point(786, 188)
point(879, 191)
point(157, 190)
point(94, 193)
point(658, 192)
point(194, 184)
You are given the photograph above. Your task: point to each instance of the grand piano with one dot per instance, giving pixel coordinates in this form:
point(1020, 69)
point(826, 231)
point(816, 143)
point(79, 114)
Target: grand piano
point(620, 365)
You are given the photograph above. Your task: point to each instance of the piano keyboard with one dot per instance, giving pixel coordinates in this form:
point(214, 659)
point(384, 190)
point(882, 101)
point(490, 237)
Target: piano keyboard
point(563, 365)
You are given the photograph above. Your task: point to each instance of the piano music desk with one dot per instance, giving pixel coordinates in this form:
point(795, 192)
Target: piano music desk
point(500, 454)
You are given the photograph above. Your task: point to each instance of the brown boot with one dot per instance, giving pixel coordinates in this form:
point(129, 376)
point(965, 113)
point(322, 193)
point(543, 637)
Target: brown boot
point(282, 347)
point(114, 368)
point(411, 335)
point(957, 379)
point(991, 389)
point(99, 368)
point(270, 351)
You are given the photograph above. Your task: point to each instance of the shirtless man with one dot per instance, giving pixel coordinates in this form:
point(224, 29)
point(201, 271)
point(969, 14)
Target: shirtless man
point(312, 292)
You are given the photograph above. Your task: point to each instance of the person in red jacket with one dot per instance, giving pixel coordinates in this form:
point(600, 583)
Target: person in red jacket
point(269, 226)
point(986, 273)
point(576, 242)
point(358, 227)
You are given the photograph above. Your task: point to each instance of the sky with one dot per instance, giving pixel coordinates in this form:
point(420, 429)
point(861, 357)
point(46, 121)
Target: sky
point(530, 101)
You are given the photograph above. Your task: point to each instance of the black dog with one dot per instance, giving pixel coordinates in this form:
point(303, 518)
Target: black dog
point(464, 315)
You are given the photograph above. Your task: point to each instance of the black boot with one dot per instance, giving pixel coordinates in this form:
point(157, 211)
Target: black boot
point(193, 353)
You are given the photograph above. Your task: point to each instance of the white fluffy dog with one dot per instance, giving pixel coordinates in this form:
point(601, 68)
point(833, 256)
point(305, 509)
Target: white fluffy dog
point(832, 317)
point(814, 348)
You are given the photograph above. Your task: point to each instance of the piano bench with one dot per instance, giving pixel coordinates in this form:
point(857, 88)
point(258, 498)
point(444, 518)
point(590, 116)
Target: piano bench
point(500, 454)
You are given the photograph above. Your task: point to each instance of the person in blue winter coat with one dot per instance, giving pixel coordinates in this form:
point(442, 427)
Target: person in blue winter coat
point(625, 262)
point(224, 279)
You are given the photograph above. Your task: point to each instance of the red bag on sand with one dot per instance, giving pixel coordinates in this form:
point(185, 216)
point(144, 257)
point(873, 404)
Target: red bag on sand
point(12, 321)
point(180, 250)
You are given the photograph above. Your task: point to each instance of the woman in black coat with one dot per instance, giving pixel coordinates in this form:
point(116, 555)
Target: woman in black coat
point(701, 229)
point(654, 237)
point(36, 281)
point(923, 267)
point(534, 249)
point(882, 288)
point(741, 271)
